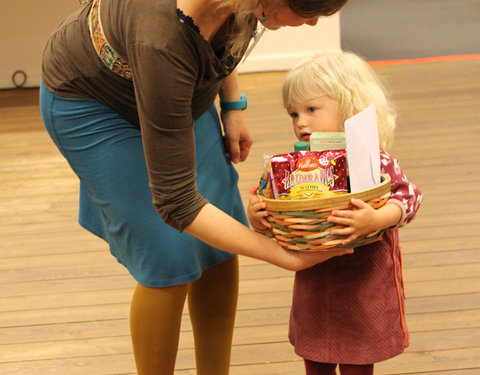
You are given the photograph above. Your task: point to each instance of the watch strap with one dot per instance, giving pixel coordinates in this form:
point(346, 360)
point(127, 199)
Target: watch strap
point(234, 104)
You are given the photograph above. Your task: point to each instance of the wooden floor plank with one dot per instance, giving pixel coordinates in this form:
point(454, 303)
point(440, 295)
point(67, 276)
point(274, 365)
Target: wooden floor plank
point(64, 309)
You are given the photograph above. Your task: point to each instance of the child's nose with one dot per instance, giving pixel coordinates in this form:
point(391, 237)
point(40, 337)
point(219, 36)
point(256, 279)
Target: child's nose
point(312, 21)
point(302, 122)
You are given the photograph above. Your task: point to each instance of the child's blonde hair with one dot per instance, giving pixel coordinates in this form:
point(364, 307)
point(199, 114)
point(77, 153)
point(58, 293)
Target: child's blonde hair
point(346, 78)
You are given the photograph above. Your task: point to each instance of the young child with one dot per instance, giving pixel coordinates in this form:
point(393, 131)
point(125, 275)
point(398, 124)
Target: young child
point(349, 310)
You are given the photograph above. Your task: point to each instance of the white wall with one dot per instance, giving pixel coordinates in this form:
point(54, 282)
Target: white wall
point(283, 48)
point(24, 28)
point(26, 24)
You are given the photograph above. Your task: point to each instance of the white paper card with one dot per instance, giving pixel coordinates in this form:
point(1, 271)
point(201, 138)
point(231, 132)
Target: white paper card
point(363, 150)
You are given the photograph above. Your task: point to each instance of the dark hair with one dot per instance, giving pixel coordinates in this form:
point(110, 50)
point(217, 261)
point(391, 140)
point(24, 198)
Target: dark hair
point(313, 8)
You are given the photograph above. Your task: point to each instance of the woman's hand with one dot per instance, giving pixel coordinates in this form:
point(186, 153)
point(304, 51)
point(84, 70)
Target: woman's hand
point(238, 139)
point(234, 237)
point(307, 259)
point(363, 219)
point(257, 211)
point(296, 260)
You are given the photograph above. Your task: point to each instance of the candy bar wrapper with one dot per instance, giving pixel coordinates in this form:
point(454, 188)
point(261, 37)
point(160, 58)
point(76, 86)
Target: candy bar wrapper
point(308, 174)
point(264, 184)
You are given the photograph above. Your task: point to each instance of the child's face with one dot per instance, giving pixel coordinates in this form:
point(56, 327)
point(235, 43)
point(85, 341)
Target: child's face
point(321, 114)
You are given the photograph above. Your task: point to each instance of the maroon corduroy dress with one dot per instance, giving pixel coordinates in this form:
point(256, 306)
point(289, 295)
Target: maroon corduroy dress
point(350, 309)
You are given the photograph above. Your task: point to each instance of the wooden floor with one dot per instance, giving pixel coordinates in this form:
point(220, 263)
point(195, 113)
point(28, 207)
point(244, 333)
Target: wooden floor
point(64, 301)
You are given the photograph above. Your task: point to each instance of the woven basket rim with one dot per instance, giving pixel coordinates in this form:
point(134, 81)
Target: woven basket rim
point(338, 200)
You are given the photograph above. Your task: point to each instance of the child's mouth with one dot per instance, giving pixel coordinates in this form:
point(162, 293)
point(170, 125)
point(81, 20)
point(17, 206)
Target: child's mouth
point(305, 136)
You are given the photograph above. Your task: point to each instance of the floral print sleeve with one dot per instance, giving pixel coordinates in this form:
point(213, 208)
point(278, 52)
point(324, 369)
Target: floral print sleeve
point(404, 193)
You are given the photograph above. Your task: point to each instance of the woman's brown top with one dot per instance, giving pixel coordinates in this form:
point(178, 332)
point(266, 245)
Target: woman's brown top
point(176, 75)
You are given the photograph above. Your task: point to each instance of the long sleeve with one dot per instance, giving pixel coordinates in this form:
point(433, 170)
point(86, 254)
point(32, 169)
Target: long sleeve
point(404, 193)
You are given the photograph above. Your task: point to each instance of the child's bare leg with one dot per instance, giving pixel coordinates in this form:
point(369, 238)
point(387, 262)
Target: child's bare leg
point(155, 318)
point(356, 369)
point(212, 303)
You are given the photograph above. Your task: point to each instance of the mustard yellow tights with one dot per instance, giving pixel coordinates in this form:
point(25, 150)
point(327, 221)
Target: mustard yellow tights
point(155, 319)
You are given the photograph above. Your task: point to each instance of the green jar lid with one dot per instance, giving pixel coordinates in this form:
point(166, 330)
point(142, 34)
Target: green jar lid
point(301, 146)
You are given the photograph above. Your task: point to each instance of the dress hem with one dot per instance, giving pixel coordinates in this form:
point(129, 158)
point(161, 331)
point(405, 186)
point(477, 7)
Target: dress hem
point(184, 279)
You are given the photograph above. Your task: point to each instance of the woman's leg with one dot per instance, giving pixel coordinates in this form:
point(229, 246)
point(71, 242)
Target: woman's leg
point(319, 368)
point(212, 302)
point(356, 369)
point(155, 318)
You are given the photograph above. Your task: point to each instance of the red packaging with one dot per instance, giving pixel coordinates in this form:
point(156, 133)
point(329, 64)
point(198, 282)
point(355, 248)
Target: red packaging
point(308, 174)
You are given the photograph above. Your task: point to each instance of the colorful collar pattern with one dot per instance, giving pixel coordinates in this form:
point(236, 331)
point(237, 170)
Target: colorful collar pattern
point(104, 50)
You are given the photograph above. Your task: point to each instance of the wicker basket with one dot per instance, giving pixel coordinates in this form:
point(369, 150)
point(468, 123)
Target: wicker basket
point(302, 224)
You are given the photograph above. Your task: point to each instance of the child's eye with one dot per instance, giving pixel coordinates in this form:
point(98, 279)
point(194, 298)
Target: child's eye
point(311, 109)
point(294, 115)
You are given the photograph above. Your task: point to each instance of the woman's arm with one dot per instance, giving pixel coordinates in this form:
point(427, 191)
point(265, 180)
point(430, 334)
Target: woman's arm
point(230, 90)
point(238, 139)
point(218, 229)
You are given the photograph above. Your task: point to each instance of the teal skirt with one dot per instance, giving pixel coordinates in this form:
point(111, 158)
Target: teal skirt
point(106, 153)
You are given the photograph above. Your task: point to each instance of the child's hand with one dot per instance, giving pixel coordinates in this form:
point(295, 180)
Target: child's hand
point(364, 219)
point(256, 211)
point(361, 220)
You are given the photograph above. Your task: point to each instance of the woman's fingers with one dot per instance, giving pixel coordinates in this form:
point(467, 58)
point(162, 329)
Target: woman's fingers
point(321, 256)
